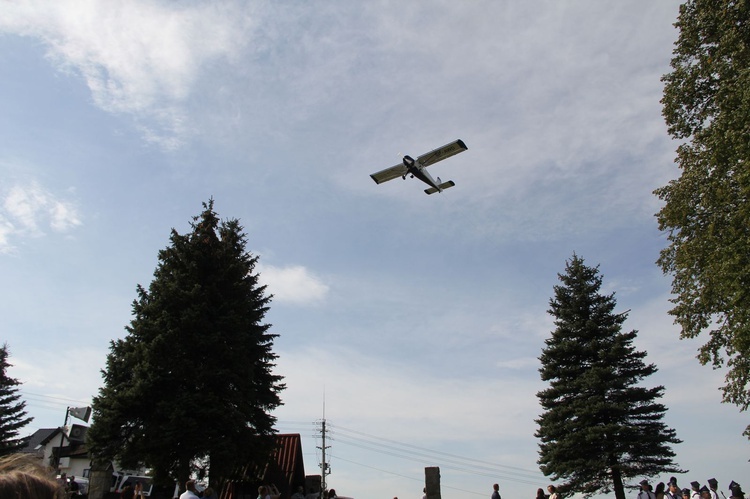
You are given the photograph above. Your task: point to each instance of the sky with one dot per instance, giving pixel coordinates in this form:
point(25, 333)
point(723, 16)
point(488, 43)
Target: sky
point(411, 324)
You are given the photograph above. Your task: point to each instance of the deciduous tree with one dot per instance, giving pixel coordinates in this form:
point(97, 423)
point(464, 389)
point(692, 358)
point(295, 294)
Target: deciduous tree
point(192, 380)
point(707, 209)
point(598, 428)
point(12, 409)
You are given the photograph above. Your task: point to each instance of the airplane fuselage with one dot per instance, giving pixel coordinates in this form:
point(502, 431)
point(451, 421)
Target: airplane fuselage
point(417, 170)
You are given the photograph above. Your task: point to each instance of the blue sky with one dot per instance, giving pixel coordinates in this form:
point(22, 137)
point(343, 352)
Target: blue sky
point(416, 320)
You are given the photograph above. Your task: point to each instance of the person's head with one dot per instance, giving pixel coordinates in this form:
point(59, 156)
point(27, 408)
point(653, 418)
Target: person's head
point(262, 490)
point(736, 491)
point(644, 485)
point(705, 493)
point(713, 483)
point(672, 484)
point(685, 493)
point(496, 487)
point(190, 485)
point(540, 492)
point(695, 485)
point(551, 489)
point(660, 487)
point(24, 476)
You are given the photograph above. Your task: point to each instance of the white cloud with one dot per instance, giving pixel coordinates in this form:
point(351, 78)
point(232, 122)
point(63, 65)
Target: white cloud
point(404, 400)
point(138, 58)
point(28, 210)
point(6, 229)
point(294, 284)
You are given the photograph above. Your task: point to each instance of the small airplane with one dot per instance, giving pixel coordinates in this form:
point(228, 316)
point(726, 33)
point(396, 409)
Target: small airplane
point(417, 167)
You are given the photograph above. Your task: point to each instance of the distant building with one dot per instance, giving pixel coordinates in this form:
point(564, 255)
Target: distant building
point(51, 445)
point(285, 470)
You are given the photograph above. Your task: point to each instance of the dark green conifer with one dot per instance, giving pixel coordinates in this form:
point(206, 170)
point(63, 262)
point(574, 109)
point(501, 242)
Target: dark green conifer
point(12, 410)
point(598, 428)
point(192, 381)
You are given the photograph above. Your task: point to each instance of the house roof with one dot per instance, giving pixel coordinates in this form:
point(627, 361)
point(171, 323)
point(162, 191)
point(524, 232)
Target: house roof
point(289, 454)
point(285, 469)
point(40, 437)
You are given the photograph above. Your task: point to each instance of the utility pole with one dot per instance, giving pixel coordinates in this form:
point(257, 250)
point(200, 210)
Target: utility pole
point(325, 469)
point(62, 440)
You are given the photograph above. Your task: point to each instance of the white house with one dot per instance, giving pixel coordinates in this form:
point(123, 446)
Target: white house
point(48, 444)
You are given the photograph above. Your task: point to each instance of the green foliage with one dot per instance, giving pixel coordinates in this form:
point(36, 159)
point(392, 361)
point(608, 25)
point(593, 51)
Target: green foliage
point(192, 380)
point(12, 412)
point(598, 427)
point(707, 209)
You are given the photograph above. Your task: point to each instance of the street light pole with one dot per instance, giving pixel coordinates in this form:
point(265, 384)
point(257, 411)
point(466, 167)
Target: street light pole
point(62, 437)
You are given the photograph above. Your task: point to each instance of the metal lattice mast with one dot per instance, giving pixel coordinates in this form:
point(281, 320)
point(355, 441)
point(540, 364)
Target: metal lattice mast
point(325, 469)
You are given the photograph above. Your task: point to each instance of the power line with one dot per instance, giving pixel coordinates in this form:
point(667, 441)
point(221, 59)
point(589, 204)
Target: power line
point(491, 467)
point(450, 466)
point(453, 462)
point(404, 476)
point(63, 401)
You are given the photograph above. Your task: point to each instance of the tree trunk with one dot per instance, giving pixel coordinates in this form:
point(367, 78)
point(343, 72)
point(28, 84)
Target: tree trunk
point(617, 483)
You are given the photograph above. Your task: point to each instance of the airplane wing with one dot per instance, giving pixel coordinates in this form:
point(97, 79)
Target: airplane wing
point(389, 173)
point(441, 153)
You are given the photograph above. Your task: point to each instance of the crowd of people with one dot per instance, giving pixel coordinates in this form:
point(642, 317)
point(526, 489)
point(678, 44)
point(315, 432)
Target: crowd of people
point(671, 490)
point(23, 477)
point(71, 486)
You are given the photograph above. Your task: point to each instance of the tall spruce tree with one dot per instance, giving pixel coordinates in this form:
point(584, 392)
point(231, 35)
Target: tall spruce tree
point(192, 381)
point(12, 410)
point(598, 429)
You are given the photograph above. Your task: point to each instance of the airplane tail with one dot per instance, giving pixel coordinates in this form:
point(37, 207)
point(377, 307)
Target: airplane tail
point(442, 187)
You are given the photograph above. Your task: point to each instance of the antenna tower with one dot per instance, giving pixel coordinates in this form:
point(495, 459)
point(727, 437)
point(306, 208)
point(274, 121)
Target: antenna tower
point(325, 468)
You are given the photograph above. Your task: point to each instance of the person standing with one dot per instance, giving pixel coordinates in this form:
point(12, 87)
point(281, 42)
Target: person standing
point(659, 492)
point(736, 491)
point(138, 491)
point(695, 492)
point(673, 491)
point(63, 481)
point(190, 492)
point(73, 487)
point(713, 485)
point(645, 492)
point(495, 492)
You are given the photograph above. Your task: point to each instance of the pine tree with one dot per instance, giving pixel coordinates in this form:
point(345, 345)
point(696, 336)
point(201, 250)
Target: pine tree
point(12, 411)
point(598, 429)
point(192, 381)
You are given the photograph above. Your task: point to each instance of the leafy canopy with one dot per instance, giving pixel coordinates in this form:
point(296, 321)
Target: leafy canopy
point(706, 214)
